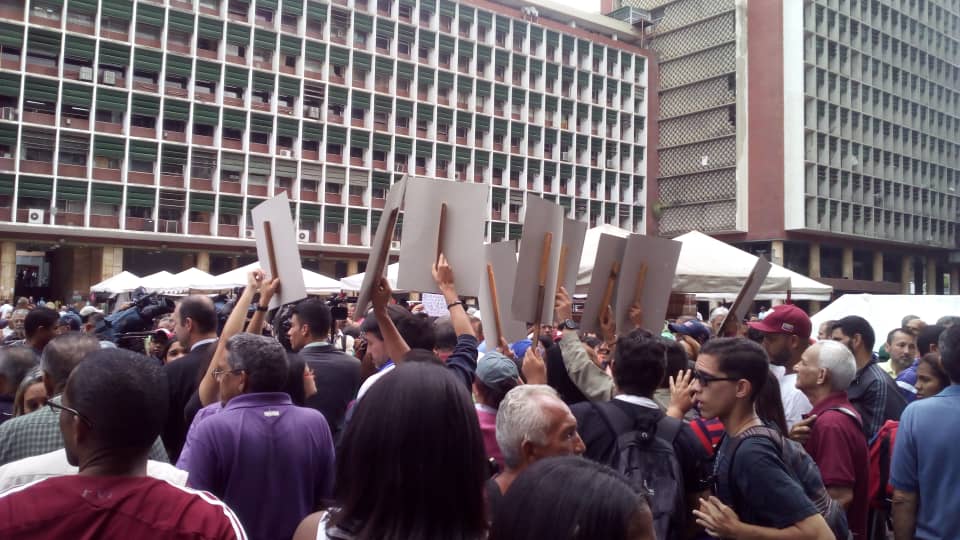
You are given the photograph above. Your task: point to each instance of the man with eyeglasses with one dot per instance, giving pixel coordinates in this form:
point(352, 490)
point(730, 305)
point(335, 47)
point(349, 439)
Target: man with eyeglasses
point(260, 446)
point(110, 414)
point(755, 496)
point(38, 432)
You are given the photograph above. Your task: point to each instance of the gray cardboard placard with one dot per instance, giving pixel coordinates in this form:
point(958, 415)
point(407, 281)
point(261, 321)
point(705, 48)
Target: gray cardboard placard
point(503, 257)
point(738, 310)
point(660, 256)
point(380, 247)
point(574, 233)
point(610, 249)
point(463, 234)
point(541, 217)
point(285, 249)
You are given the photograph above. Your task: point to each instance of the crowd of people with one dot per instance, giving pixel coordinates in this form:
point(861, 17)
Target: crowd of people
point(391, 424)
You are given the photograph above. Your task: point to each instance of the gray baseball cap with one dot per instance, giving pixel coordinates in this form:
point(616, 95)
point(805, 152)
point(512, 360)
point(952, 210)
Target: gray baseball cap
point(495, 369)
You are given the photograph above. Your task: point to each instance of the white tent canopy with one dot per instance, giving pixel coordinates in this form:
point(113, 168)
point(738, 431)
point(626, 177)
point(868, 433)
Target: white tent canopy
point(354, 282)
point(120, 283)
point(713, 269)
point(317, 284)
point(157, 281)
point(885, 311)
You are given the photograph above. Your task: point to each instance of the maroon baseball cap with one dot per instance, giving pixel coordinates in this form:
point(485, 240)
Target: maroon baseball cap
point(784, 319)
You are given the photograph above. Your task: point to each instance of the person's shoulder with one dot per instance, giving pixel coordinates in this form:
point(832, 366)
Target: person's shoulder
point(199, 512)
point(758, 447)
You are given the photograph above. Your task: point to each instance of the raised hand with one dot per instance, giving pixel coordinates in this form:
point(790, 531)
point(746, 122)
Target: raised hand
point(681, 394)
point(382, 293)
point(534, 369)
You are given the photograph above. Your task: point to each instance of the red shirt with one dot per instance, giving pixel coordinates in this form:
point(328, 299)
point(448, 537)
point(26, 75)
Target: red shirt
point(108, 507)
point(839, 448)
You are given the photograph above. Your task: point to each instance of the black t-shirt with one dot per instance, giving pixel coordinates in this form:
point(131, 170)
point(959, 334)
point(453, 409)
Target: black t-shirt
point(599, 440)
point(760, 488)
point(494, 497)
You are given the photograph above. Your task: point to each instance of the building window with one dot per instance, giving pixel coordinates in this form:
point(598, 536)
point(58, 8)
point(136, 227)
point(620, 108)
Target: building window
point(334, 149)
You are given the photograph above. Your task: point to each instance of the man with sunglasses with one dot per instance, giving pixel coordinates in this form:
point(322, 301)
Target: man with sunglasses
point(755, 496)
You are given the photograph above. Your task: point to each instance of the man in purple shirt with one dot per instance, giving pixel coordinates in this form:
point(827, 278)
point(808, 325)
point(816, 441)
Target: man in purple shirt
point(261, 447)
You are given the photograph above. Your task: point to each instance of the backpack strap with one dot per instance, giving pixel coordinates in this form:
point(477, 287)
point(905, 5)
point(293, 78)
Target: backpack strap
point(853, 416)
point(756, 431)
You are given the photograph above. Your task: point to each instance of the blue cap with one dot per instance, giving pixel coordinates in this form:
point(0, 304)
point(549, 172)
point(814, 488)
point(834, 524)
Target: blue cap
point(693, 328)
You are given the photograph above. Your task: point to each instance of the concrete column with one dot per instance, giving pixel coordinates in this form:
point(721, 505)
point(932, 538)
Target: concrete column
point(877, 266)
point(112, 262)
point(931, 277)
point(353, 267)
point(815, 306)
point(187, 261)
point(814, 269)
point(906, 275)
point(776, 252)
point(847, 271)
point(203, 261)
point(8, 269)
point(955, 279)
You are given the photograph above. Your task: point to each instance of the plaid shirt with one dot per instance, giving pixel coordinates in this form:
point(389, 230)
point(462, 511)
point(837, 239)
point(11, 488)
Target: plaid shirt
point(39, 432)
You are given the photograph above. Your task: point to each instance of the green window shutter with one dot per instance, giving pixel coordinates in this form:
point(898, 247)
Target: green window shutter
point(385, 28)
point(143, 150)
point(267, 4)
point(179, 66)
point(261, 123)
point(503, 58)
point(71, 190)
point(337, 96)
point(77, 95)
point(466, 13)
point(536, 67)
point(288, 127)
point(150, 15)
point(263, 39)
point(407, 33)
point(232, 162)
point(209, 28)
point(259, 167)
point(482, 123)
point(444, 79)
point(316, 51)
point(237, 77)
point(316, 11)
point(424, 112)
point(201, 202)
point(503, 23)
point(427, 38)
point(444, 116)
point(361, 100)
point(360, 139)
point(552, 72)
point(357, 216)
point(339, 56)
point(583, 79)
point(485, 18)
point(482, 158)
point(533, 133)
point(464, 119)
point(444, 151)
point(36, 187)
point(448, 8)
point(484, 53)
point(208, 116)
point(233, 119)
point(483, 88)
point(447, 43)
point(111, 100)
point(465, 84)
point(463, 155)
point(44, 42)
point(404, 108)
point(424, 149)
point(465, 48)
point(425, 76)
point(107, 194)
point(519, 96)
point(289, 86)
point(363, 23)
point(500, 92)
point(11, 35)
point(382, 104)
point(120, 9)
point(550, 104)
point(147, 60)
point(79, 48)
point(405, 71)
point(384, 65)
point(108, 147)
point(336, 135)
point(8, 136)
point(403, 147)
point(293, 7)
point(429, 6)
point(362, 61)
point(500, 161)
point(176, 110)
point(334, 214)
point(208, 72)
point(231, 205)
point(238, 34)
point(310, 212)
point(598, 51)
point(263, 81)
point(41, 89)
point(553, 38)
point(114, 55)
point(145, 105)
point(500, 127)
point(516, 130)
point(290, 45)
point(312, 131)
point(381, 142)
point(141, 197)
point(550, 136)
point(181, 21)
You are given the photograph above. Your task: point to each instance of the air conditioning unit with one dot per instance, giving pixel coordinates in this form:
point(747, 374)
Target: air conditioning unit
point(303, 235)
point(109, 78)
point(35, 216)
point(86, 74)
point(395, 244)
point(286, 153)
point(251, 234)
point(313, 112)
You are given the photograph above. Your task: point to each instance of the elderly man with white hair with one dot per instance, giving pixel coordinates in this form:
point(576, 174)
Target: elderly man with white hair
point(533, 423)
point(832, 433)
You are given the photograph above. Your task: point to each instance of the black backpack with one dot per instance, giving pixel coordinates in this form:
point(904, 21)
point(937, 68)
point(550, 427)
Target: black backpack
point(645, 455)
point(804, 470)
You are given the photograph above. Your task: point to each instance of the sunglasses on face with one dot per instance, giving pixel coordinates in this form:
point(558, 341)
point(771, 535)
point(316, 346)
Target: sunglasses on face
point(705, 378)
point(60, 408)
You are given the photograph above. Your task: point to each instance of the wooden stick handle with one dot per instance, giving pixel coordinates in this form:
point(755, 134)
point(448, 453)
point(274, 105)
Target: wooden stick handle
point(641, 281)
point(611, 283)
point(494, 302)
point(542, 282)
point(443, 222)
point(271, 253)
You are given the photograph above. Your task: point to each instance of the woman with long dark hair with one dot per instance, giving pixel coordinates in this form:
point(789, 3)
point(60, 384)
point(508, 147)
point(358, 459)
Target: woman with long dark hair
point(411, 464)
point(571, 498)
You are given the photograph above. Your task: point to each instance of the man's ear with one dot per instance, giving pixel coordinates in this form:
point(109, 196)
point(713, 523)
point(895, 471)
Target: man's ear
point(528, 451)
point(744, 388)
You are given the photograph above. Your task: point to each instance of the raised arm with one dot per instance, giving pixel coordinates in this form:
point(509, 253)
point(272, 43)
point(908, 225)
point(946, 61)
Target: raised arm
point(267, 290)
point(443, 275)
point(586, 375)
point(209, 390)
point(393, 342)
